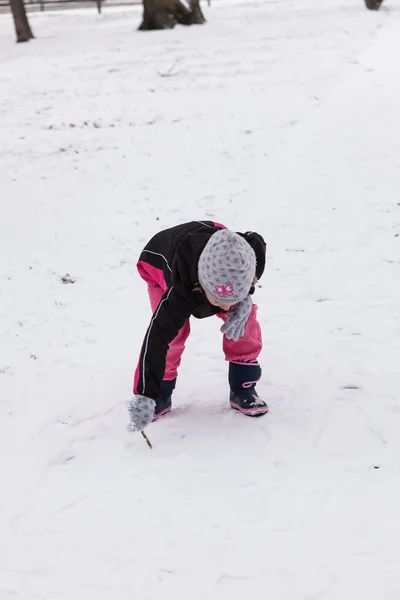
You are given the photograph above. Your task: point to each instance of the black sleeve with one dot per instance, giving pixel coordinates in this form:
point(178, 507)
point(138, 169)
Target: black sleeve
point(168, 318)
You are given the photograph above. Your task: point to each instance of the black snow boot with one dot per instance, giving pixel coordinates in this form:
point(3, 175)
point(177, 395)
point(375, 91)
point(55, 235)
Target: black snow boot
point(243, 396)
point(163, 402)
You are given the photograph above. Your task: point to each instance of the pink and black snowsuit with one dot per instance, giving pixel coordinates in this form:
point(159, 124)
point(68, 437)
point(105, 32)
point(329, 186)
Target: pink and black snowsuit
point(168, 264)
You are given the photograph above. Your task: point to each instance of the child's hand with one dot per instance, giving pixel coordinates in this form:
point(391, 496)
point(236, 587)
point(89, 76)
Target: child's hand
point(237, 317)
point(141, 410)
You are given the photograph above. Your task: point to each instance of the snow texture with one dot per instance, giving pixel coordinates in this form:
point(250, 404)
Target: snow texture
point(280, 117)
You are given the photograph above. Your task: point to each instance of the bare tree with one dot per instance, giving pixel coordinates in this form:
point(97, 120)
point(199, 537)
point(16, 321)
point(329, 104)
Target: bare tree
point(22, 27)
point(165, 14)
point(197, 14)
point(373, 4)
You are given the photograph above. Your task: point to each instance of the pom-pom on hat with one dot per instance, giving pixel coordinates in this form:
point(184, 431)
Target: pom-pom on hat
point(227, 267)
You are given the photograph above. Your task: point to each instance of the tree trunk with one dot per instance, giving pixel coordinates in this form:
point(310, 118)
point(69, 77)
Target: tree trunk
point(155, 16)
point(22, 27)
point(373, 4)
point(165, 14)
point(197, 14)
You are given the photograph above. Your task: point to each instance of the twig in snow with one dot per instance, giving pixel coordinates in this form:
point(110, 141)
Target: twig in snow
point(170, 72)
point(148, 442)
point(392, 262)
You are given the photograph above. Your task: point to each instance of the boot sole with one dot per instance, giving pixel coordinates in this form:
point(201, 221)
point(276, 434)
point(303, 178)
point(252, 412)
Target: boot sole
point(162, 413)
point(249, 412)
point(257, 411)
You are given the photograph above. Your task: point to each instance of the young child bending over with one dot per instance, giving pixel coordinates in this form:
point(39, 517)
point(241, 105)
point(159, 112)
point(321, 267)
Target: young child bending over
point(199, 269)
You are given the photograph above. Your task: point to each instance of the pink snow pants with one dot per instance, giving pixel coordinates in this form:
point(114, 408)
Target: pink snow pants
point(246, 348)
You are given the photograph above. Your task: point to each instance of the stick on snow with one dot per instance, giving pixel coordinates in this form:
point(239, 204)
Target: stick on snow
point(147, 440)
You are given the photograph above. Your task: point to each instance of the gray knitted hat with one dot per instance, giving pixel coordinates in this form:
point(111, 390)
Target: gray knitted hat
point(227, 267)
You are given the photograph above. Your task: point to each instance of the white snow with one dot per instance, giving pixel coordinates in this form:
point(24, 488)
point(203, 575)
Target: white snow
point(282, 117)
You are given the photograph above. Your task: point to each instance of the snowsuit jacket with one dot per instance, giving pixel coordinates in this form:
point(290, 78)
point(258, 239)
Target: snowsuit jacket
point(170, 260)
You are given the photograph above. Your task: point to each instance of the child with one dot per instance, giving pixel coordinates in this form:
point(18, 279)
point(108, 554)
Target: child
point(199, 269)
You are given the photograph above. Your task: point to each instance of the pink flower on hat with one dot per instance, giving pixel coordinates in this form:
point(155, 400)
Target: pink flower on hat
point(223, 291)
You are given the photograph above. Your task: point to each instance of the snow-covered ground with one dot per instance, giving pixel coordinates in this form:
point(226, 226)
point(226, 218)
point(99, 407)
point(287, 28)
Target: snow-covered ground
point(281, 117)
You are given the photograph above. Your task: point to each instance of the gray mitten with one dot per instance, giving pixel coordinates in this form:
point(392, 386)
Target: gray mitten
point(141, 410)
point(235, 324)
